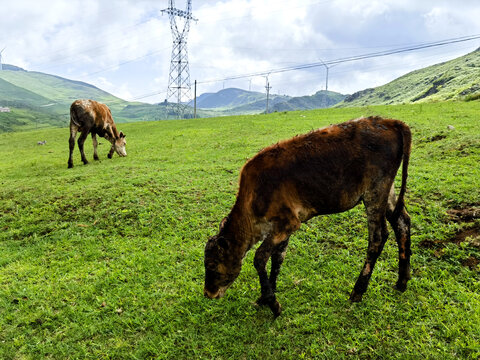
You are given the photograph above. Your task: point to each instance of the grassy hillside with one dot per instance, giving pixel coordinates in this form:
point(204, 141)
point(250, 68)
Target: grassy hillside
point(39, 98)
point(105, 261)
point(29, 118)
point(59, 90)
point(10, 95)
point(457, 79)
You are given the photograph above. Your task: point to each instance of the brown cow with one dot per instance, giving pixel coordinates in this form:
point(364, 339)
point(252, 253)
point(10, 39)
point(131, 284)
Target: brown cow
point(326, 171)
point(89, 116)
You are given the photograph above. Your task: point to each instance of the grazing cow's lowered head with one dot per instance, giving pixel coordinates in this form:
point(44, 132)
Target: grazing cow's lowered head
point(119, 145)
point(222, 264)
point(326, 171)
point(92, 117)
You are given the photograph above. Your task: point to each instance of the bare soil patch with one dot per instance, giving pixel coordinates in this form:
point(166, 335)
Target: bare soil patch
point(471, 262)
point(464, 215)
point(472, 233)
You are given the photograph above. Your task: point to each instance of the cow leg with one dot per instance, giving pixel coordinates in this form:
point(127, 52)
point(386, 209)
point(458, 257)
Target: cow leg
point(81, 141)
point(401, 227)
point(95, 144)
point(110, 153)
point(377, 236)
point(277, 258)
point(262, 255)
point(71, 143)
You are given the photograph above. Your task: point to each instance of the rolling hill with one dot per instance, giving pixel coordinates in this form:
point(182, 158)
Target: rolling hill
point(234, 101)
point(320, 100)
point(230, 98)
point(457, 79)
point(40, 100)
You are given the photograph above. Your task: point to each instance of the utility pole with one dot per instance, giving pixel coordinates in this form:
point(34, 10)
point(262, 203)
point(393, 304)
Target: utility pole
point(268, 87)
point(179, 89)
point(195, 100)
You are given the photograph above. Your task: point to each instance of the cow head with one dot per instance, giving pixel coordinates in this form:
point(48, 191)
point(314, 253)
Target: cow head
point(119, 145)
point(223, 263)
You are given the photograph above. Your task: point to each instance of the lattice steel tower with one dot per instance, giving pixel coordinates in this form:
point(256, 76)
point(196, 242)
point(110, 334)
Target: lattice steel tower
point(179, 89)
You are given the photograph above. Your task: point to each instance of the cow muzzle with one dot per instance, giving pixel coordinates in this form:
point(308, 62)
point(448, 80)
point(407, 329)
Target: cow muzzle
point(216, 295)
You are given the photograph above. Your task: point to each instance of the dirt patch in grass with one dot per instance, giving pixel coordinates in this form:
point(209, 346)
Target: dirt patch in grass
point(471, 262)
point(459, 237)
point(464, 215)
point(472, 233)
point(433, 138)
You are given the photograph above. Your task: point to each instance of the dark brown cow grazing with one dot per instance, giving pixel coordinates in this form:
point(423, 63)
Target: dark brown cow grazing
point(89, 116)
point(326, 171)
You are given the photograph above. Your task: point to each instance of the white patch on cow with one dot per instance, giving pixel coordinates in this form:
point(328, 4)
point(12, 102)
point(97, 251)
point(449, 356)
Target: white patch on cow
point(356, 120)
point(73, 130)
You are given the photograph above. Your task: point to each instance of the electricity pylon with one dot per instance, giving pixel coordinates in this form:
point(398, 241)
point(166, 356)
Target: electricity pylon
point(179, 89)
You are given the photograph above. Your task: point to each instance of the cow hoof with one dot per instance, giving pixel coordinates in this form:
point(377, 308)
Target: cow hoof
point(261, 301)
point(109, 156)
point(266, 300)
point(354, 297)
point(70, 166)
point(401, 286)
point(276, 309)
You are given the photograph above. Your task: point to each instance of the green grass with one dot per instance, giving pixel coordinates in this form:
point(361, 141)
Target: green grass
point(105, 261)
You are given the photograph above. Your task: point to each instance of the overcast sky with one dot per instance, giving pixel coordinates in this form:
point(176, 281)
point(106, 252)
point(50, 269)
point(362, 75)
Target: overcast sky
point(124, 46)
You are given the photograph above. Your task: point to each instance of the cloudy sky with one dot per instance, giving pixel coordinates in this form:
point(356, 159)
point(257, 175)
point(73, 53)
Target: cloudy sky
point(124, 46)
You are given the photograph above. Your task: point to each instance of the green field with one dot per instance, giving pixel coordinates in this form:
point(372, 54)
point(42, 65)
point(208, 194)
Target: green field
point(105, 261)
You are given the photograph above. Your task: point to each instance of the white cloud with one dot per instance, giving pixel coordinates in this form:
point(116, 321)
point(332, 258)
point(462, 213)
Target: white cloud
point(124, 45)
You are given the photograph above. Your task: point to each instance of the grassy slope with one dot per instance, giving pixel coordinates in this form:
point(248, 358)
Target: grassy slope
point(454, 79)
point(106, 260)
point(58, 89)
point(46, 98)
point(10, 93)
point(28, 119)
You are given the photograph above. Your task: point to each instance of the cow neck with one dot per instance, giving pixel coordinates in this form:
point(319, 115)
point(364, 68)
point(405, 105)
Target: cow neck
point(113, 133)
point(239, 231)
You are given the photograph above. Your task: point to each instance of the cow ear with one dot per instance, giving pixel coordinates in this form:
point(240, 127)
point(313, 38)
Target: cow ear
point(122, 135)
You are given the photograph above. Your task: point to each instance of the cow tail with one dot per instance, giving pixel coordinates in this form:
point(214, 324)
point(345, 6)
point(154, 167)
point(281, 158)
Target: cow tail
point(407, 144)
point(73, 116)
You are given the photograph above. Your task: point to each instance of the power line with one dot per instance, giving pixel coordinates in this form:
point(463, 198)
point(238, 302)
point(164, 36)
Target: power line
point(125, 62)
point(348, 59)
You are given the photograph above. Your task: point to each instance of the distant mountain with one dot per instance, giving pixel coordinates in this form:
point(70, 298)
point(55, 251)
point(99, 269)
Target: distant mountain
point(231, 98)
point(234, 101)
point(456, 79)
point(321, 99)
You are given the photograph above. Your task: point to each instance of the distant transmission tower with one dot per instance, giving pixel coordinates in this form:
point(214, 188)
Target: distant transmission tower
point(179, 90)
point(1, 67)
